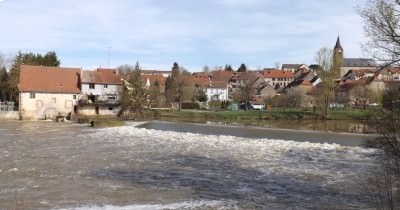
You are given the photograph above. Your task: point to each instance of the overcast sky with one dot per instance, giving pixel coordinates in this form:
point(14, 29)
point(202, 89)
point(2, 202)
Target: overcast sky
point(194, 33)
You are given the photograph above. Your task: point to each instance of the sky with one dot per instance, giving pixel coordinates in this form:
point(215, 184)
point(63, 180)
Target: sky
point(156, 33)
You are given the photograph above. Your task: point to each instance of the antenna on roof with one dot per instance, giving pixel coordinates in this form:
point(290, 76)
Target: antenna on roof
point(108, 56)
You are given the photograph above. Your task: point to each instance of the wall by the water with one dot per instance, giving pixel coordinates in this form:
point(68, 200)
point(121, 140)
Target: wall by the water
point(10, 115)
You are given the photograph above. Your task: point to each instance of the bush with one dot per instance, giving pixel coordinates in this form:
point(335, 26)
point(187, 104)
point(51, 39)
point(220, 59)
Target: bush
point(190, 106)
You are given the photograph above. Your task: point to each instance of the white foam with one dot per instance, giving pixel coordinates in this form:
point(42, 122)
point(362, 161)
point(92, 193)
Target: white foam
point(202, 204)
point(268, 155)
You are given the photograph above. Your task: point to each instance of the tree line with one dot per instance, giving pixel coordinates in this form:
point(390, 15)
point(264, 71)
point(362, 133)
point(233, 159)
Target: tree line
point(9, 78)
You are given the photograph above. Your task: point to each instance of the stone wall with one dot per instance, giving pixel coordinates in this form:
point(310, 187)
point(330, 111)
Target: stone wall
point(10, 115)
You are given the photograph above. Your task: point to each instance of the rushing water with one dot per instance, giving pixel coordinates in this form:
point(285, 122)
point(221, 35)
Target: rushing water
point(45, 165)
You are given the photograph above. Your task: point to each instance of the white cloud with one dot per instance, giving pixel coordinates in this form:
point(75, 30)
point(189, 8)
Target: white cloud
point(161, 32)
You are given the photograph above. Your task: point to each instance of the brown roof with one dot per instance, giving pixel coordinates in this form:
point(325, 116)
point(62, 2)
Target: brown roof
point(221, 75)
point(101, 76)
point(218, 84)
point(49, 79)
point(291, 66)
point(202, 82)
point(153, 78)
point(277, 74)
point(155, 72)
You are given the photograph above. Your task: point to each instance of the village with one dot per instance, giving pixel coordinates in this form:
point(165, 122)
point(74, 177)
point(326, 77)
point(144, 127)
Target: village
point(47, 92)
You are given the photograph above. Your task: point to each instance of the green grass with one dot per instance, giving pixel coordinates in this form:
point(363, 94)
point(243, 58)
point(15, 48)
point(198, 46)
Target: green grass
point(107, 123)
point(256, 115)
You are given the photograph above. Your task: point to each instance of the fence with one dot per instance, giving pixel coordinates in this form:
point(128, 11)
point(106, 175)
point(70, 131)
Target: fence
point(6, 106)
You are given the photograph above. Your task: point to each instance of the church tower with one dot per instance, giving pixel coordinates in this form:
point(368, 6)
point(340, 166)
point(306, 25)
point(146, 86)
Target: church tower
point(337, 58)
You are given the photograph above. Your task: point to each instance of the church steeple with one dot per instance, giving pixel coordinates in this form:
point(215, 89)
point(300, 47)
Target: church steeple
point(338, 46)
point(337, 58)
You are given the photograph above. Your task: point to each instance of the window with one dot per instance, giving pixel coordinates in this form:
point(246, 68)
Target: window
point(32, 95)
point(91, 86)
point(110, 108)
point(74, 97)
point(105, 86)
point(54, 100)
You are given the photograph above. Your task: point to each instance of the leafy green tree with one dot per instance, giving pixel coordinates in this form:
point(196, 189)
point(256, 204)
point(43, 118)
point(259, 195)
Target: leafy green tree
point(242, 68)
point(50, 59)
point(228, 68)
point(134, 95)
point(201, 95)
point(4, 78)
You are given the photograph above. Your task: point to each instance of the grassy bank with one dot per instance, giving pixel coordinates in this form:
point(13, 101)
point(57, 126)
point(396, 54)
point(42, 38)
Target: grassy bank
point(254, 115)
point(100, 121)
point(337, 120)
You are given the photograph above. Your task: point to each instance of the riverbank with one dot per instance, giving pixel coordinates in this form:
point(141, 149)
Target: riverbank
point(337, 121)
point(347, 121)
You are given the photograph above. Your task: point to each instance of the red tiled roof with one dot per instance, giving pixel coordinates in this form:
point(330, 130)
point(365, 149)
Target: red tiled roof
point(153, 78)
point(277, 74)
point(394, 70)
point(49, 79)
point(101, 76)
point(202, 82)
point(218, 84)
point(221, 75)
point(155, 72)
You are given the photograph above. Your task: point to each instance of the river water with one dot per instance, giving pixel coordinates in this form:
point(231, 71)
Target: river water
point(45, 165)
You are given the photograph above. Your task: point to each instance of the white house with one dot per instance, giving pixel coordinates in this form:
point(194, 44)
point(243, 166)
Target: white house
point(100, 92)
point(275, 77)
point(46, 92)
point(217, 91)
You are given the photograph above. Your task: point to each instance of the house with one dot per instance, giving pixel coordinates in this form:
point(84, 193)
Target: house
point(357, 64)
point(277, 78)
point(214, 89)
point(154, 81)
point(203, 75)
point(356, 74)
point(293, 67)
point(46, 92)
point(156, 72)
point(390, 74)
point(100, 92)
point(217, 91)
point(302, 75)
point(265, 91)
point(352, 93)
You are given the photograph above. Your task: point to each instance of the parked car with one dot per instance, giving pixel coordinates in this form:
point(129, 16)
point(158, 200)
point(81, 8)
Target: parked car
point(258, 106)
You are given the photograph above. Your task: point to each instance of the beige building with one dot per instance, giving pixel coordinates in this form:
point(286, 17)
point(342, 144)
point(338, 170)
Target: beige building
point(47, 92)
point(100, 92)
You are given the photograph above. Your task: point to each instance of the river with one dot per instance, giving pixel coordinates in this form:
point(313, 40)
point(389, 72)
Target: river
point(46, 165)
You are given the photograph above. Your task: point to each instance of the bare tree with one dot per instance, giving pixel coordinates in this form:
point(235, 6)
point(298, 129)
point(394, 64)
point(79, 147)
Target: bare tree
point(277, 65)
point(247, 88)
point(382, 28)
point(324, 58)
point(206, 69)
point(179, 86)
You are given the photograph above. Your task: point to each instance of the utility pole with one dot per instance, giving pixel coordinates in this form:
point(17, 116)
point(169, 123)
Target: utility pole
point(108, 56)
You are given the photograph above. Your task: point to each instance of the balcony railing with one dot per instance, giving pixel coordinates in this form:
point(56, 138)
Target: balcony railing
point(99, 100)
